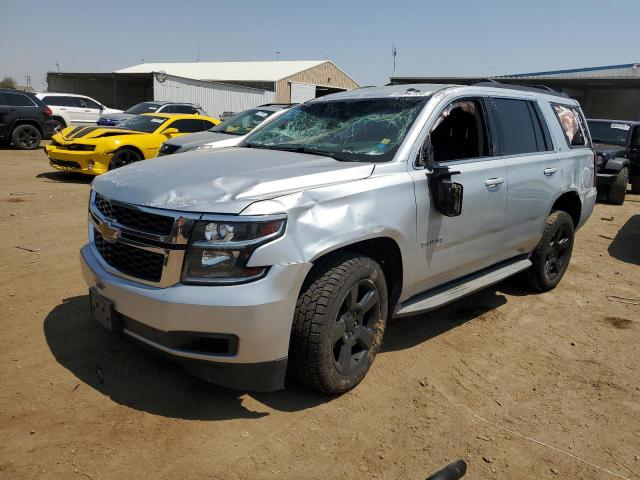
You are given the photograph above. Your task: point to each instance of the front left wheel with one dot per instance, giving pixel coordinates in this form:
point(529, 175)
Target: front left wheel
point(339, 323)
point(124, 156)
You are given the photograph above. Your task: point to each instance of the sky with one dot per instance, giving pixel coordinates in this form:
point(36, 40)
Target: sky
point(433, 38)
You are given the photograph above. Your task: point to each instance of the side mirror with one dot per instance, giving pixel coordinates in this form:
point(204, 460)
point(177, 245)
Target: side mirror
point(446, 195)
point(170, 131)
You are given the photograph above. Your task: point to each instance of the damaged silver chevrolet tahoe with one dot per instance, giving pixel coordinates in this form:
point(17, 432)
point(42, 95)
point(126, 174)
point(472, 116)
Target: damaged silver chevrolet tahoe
point(289, 253)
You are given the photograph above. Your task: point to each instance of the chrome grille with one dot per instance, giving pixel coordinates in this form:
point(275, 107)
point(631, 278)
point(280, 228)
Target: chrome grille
point(130, 260)
point(142, 244)
point(133, 218)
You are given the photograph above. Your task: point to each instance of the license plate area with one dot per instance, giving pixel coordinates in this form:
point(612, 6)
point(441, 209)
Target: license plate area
point(103, 312)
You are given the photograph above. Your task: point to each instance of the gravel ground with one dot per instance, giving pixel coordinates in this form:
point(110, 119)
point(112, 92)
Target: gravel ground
point(519, 385)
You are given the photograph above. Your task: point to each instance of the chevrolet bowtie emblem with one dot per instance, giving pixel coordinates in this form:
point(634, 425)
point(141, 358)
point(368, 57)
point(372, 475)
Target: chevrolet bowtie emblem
point(109, 234)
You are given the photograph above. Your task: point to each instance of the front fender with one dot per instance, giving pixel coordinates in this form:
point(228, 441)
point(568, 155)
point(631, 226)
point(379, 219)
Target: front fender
point(616, 164)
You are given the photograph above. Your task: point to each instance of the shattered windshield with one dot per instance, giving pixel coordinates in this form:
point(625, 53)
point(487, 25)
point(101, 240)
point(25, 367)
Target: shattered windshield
point(368, 130)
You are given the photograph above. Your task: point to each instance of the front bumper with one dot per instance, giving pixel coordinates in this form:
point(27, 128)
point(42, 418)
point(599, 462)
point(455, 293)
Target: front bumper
point(259, 314)
point(78, 161)
point(605, 179)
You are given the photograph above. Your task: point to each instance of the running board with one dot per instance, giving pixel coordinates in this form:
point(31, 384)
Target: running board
point(448, 293)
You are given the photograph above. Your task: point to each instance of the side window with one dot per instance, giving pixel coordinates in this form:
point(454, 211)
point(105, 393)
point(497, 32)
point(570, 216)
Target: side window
point(520, 127)
point(188, 125)
point(184, 109)
point(74, 102)
point(167, 109)
point(88, 103)
point(3, 99)
point(572, 124)
point(460, 132)
point(18, 100)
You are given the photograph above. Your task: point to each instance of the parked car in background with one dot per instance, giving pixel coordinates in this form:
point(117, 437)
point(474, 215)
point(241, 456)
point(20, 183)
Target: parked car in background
point(292, 252)
point(228, 134)
point(96, 150)
point(24, 119)
point(70, 109)
point(617, 145)
point(111, 119)
point(226, 115)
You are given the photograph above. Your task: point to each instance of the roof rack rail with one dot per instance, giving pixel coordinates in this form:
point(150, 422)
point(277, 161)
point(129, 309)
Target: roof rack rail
point(490, 82)
point(277, 104)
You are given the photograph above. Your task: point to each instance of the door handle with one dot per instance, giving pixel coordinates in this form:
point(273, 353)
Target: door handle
point(493, 182)
point(550, 171)
point(62, 108)
point(87, 110)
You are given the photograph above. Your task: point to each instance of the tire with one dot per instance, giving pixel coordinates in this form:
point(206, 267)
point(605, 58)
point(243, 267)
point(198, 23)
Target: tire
point(551, 256)
point(122, 157)
point(338, 323)
point(58, 124)
point(635, 186)
point(26, 137)
point(618, 189)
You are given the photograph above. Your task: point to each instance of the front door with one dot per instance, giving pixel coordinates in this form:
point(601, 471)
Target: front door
point(91, 110)
point(452, 247)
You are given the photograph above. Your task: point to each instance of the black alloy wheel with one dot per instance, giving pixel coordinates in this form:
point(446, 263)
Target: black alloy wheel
point(558, 253)
point(353, 331)
point(123, 157)
point(26, 137)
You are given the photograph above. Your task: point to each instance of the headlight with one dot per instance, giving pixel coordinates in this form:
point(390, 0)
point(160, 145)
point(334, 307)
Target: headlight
point(220, 248)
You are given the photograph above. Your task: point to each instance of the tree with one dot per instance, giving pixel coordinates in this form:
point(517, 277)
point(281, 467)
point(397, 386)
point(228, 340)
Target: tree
point(7, 82)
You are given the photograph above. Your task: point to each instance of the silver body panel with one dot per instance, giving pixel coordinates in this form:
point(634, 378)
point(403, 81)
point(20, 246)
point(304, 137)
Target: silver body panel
point(331, 204)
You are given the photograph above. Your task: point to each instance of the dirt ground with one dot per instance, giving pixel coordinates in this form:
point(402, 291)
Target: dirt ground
point(517, 384)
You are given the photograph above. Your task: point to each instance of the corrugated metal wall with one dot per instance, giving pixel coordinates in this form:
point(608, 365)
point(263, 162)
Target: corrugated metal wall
point(215, 98)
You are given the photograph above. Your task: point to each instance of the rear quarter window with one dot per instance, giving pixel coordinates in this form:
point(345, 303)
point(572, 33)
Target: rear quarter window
point(573, 125)
point(18, 100)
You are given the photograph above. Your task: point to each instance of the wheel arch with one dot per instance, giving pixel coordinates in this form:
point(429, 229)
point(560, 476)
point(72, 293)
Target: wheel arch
point(386, 252)
point(570, 203)
point(26, 121)
point(130, 147)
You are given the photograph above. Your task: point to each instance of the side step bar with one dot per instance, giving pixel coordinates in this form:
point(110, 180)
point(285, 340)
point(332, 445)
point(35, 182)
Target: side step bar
point(440, 296)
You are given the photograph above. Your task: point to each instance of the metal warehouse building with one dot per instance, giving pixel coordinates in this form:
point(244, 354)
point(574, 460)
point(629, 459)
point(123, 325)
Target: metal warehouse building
point(604, 92)
point(217, 86)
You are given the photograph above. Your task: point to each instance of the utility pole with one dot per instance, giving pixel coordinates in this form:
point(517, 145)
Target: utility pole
point(58, 66)
point(394, 54)
point(27, 77)
point(277, 56)
point(198, 54)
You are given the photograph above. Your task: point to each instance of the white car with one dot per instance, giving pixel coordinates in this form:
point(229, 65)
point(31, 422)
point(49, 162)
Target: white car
point(69, 108)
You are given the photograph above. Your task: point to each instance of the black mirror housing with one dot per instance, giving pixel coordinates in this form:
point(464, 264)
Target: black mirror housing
point(448, 198)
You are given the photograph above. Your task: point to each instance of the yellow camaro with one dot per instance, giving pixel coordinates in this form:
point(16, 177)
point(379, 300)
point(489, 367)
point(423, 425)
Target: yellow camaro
point(96, 150)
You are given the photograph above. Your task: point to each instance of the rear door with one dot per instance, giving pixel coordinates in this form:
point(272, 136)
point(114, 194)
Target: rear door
point(91, 110)
point(533, 170)
point(452, 247)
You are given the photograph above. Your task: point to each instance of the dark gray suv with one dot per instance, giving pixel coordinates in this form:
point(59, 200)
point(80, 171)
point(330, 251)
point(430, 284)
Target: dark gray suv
point(24, 120)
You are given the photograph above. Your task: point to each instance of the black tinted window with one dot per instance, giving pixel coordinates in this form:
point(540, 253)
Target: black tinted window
point(183, 109)
point(56, 101)
point(460, 132)
point(518, 130)
point(190, 125)
point(18, 100)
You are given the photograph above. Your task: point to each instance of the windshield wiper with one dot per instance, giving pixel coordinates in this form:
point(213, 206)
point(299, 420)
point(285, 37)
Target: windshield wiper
point(301, 149)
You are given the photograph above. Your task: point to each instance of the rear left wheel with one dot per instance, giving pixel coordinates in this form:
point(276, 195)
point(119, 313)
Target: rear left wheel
point(339, 323)
point(551, 256)
point(26, 137)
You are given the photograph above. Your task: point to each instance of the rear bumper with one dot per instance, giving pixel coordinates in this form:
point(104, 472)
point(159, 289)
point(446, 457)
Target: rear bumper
point(258, 314)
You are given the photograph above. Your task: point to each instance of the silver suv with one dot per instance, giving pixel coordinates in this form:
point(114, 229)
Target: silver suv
point(290, 253)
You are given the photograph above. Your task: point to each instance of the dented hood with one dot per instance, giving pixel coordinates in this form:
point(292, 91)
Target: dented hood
point(223, 181)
